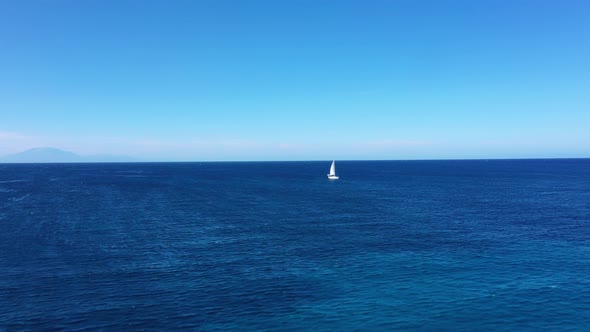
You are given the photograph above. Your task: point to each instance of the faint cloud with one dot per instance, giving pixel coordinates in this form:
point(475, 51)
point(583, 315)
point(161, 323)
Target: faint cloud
point(391, 143)
point(197, 144)
point(290, 146)
point(12, 142)
point(11, 135)
point(156, 144)
point(240, 144)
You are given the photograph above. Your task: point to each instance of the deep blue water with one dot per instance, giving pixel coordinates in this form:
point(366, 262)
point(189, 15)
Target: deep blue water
point(499, 245)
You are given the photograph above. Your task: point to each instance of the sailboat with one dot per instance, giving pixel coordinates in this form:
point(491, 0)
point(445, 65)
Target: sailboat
point(332, 175)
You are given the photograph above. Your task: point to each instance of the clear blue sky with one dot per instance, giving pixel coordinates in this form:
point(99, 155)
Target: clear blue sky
point(297, 80)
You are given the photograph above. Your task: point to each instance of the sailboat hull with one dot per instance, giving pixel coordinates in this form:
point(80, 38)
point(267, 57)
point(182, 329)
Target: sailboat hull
point(333, 177)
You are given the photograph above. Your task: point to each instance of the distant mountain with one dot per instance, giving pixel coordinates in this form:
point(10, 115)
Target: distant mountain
point(42, 155)
point(53, 155)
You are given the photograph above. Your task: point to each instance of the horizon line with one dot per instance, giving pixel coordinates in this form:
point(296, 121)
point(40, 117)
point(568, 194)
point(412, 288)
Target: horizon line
point(288, 161)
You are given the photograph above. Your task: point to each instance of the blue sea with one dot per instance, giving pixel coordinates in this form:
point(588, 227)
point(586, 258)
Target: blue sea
point(477, 245)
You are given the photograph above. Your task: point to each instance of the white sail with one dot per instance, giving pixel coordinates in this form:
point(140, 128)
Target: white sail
point(332, 175)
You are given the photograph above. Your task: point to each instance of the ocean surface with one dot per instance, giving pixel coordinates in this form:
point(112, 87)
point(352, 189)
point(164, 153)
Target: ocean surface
point(498, 245)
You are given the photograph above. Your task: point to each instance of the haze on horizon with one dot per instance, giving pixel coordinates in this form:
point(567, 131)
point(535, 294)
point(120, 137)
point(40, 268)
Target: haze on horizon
point(296, 80)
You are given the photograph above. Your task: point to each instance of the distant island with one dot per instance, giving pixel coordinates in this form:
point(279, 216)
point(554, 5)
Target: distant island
point(54, 155)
